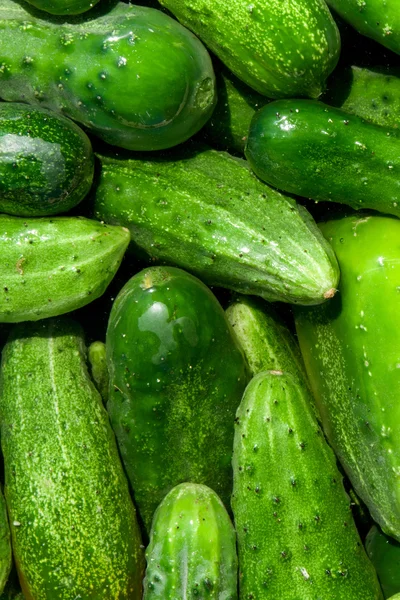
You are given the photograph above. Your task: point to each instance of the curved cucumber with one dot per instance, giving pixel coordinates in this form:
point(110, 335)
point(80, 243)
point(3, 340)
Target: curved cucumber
point(98, 363)
point(351, 349)
point(133, 76)
point(64, 7)
point(384, 553)
point(323, 153)
point(192, 550)
point(172, 401)
point(289, 503)
point(53, 266)
point(73, 523)
point(46, 162)
point(205, 211)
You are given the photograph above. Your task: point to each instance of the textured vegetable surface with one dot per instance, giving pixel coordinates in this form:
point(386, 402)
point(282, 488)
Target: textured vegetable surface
point(192, 550)
point(5, 544)
point(64, 7)
point(99, 371)
point(384, 553)
point(73, 523)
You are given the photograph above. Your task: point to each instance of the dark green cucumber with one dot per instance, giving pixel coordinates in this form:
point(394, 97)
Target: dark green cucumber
point(296, 534)
point(5, 545)
point(313, 150)
point(64, 7)
point(53, 266)
point(351, 350)
point(46, 162)
point(98, 363)
point(192, 550)
point(172, 398)
point(384, 553)
point(278, 48)
point(205, 211)
point(133, 76)
point(73, 524)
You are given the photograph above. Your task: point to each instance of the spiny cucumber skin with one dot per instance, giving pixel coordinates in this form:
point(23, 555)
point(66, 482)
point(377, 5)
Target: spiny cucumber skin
point(5, 544)
point(73, 523)
point(205, 211)
point(46, 162)
point(192, 550)
point(98, 363)
point(289, 503)
point(313, 150)
point(133, 76)
point(53, 266)
point(172, 401)
point(384, 553)
point(64, 7)
point(278, 48)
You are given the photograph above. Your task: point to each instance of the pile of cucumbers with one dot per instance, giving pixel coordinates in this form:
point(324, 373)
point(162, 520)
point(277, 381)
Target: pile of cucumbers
point(200, 300)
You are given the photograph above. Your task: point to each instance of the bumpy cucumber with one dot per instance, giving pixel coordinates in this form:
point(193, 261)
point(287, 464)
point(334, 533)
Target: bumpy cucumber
point(192, 550)
point(384, 553)
point(204, 211)
point(278, 48)
point(99, 371)
point(46, 162)
point(5, 544)
point(313, 150)
point(73, 524)
point(296, 535)
point(172, 399)
point(64, 7)
point(351, 350)
point(133, 76)
point(52, 266)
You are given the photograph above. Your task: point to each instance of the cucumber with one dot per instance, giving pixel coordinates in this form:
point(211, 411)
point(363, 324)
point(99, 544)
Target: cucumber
point(296, 534)
point(64, 7)
point(384, 553)
point(46, 162)
point(73, 524)
point(98, 363)
point(172, 400)
point(5, 545)
point(313, 150)
point(53, 266)
point(278, 48)
point(192, 550)
point(204, 211)
point(12, 590)
point(133, 76)
point(351, 351)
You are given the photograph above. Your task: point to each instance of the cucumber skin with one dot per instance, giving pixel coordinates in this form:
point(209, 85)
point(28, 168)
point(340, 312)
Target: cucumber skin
point(206, 212)
point(384, 553)
point(53, 266)
point(289, 502)
point(5, 545)
point(74, 526)
point(192, 548)
point(171, 401)
point(134, 76)
point(310, 149)
point(98, 363)
point(63, 7)
point(343, 343)
point(293, 60)
point(46, 162)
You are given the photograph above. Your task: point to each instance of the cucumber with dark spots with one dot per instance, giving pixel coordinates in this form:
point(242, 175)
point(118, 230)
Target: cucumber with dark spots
point(384, 553)
point(64, 7)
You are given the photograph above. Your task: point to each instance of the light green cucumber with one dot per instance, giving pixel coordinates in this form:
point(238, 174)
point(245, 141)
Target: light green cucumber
point(98, 364)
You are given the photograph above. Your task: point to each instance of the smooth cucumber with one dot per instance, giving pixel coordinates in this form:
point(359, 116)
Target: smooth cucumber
point(133, 76)
point(64, 7)
point(313, 150)
point(351, 350)
point(73, 524)
point(205, 211)
point(192, 550)
point(53, 266)
point(296, 534)
point(384, 553)
point(172, 399)
point(98, 363)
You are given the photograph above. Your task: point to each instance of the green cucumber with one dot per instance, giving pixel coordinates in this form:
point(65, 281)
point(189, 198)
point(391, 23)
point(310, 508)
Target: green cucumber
point(172, 400)
point(351, 350)
point(296, 534)
point(73, 524)
point(396, 597)
point(12, 590)
point(46, 162)
point(278, 48)
point(53, 266)
point(64, 7)
point(98, 363)
point(384, 553)
point(310, 149)
point(192, 550)
point(5, 545)
point(204, 211)
point(133, 76)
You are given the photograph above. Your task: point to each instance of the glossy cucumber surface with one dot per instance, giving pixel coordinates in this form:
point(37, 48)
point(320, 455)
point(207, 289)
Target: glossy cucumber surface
point(384, 553)
point(64, 7)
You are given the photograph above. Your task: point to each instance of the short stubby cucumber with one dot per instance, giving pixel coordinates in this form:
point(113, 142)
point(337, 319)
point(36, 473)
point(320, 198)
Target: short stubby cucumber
point(351, 349)
point(192, 550)
point(280, 49)
point(384, 553)
point(206, 212)
point(64, 7)
point(53, 266)
point(133, 76)
point(98, 364)
point(73, 523)
point(310, 149)
point(172, 398)
point(5, 545)
point(46, 161)
point(296, 534)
